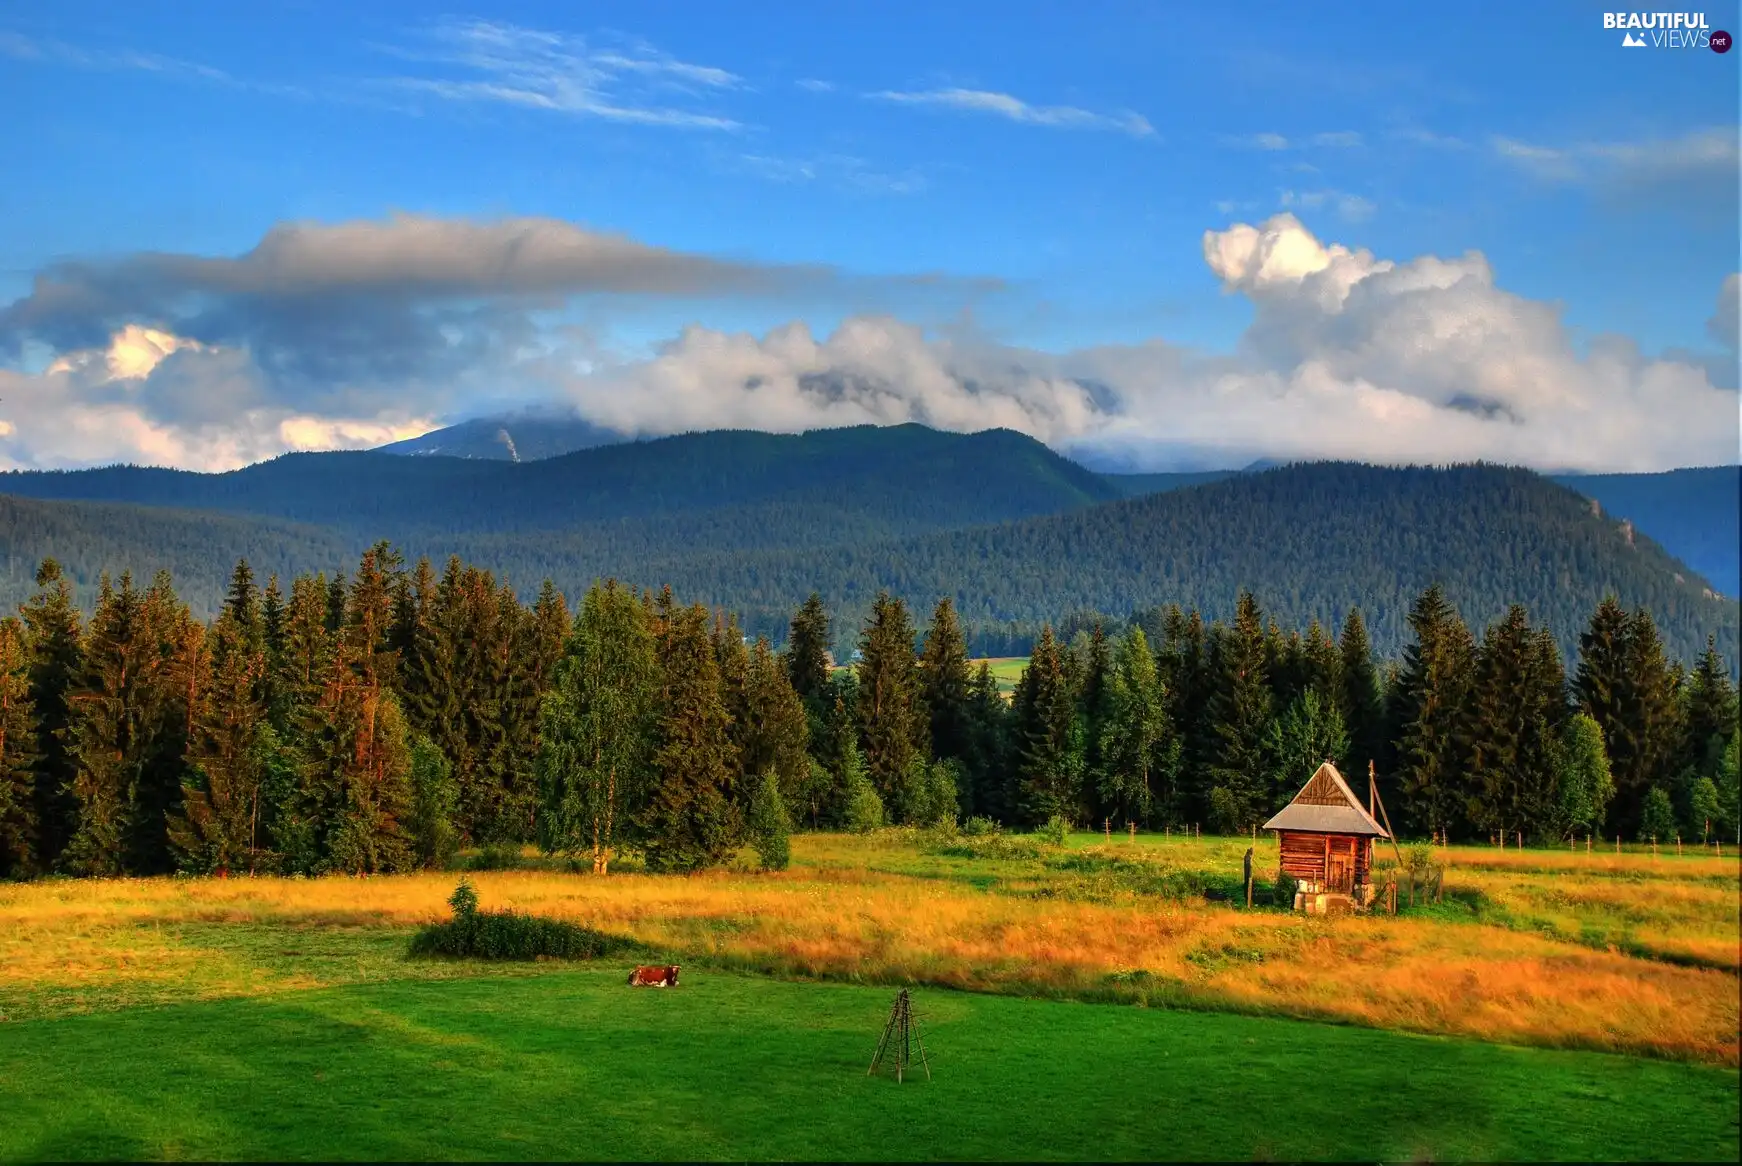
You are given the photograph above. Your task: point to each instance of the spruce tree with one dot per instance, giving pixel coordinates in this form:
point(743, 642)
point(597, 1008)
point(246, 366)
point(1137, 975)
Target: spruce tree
point(1093, 708)
point(775, 735)
point(219, 826)
point(1432, 697)
point(1183, 665)
point(1625, 683)
point(110, 729)
point(54, 641)
point(944, 681)
point(1047, 737)
point(691, 820)
point(987, 779)
point(768, 824)
point(807, 653)
point(1134, 731)
point(1708, 717)
point(892, 725)
point(19, 853)
point(1359, 697)
point(435, 800)
point(596, 731)
point(1515, 710)
point(243, 604)
point(368, 832)
point(1656, 817)
point(1238, 716)
point(1309, 732)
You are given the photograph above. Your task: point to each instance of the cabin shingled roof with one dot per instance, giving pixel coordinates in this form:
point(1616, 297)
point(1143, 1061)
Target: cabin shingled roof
point(1326, 805)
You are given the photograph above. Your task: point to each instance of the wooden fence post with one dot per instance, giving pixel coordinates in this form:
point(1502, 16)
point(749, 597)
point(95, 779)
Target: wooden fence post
point(1107, 828)
point(1678, 845)
point(1617, 844)
point(1132, 827)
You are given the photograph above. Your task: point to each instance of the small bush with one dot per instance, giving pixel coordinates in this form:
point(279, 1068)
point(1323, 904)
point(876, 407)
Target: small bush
point(978, 827)
point(1286, 886)
point(510, 935)
point(1055, 832)
point(496, 856)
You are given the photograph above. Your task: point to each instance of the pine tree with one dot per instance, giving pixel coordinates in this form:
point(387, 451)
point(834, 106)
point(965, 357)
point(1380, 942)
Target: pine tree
point(769, 827)
point(891, 719)
point(1432, 695)
point(272, 618)
point(435, 800)
point(775, 735)
point(1183, 665)
point(733, 658)
point(944, 682)
point(336, 600)
point(807, 653)
point(218, 827)
point(113, 708)
point(1708, 716)
point(1624, 682)
point(596, 732)
point(1309, 732)
point(1045, 728)
point(1134, 730)
point(1239, 713)
point(19, 853)
point(986, 783)
point(54, 640)
point(1359, 698)
point(1515, 710)
point(690, 822)
point(1093, 708)
point(243, 604)
point(367, 834)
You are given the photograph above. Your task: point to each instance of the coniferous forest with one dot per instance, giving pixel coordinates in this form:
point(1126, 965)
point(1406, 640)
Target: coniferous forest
point(382, 720)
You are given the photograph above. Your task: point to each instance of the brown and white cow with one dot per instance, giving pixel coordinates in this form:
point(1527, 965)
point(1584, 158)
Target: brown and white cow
point(654, 976)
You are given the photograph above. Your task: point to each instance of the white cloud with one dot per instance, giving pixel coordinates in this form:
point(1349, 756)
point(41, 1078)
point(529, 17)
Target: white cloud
point(1348, 355)
point(1712, 151)
point(1352, 208)
point(1015, 109)
point(812, 85)
point(1337, 139)
point(839, 170)
point(564, 73)
point(154, 398)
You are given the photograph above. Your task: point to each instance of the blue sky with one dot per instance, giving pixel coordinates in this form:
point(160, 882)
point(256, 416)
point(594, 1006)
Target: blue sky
point(1056, 165)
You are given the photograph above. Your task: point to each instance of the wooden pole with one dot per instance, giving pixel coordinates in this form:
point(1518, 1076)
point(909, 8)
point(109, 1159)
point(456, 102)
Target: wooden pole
point(1372, 784)
point(1617, 844)
point(1132, 827)
point(1678, 845)
point(1107, 827)
point(1386, 818)
point(1520, 836)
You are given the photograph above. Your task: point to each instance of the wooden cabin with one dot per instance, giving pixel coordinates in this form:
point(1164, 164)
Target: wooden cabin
point(1327, 842)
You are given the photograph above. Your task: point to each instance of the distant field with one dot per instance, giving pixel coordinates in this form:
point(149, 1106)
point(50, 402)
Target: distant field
point(1006, 670)
point(260, 1018)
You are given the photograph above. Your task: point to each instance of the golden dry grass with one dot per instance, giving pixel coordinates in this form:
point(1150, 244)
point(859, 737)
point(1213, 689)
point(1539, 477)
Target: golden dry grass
point(889, 909)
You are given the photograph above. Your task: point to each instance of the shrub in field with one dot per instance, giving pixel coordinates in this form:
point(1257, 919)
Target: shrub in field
point(496, 856)
point(769, 829)
point(993, 845)
point(510, 935)
point(1658, 820)
point(1286, 886)
point(978, 827)
point(1055, 831)
point(864, 807)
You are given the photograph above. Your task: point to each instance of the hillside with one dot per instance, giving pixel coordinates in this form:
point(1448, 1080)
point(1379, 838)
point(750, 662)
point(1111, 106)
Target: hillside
point(519, 437)
point(1694, 513)
point(864, 482)
point(1309, 540)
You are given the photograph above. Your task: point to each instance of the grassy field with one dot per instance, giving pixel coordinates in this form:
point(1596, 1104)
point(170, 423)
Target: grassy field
point(237, 1018)
point(1006, 670)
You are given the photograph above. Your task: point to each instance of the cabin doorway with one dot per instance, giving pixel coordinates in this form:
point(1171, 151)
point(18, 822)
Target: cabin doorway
point(1340, 866)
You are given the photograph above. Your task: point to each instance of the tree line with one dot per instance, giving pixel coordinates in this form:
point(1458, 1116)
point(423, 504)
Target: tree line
point(381, 722)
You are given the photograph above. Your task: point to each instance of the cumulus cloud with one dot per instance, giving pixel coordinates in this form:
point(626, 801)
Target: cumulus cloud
point(1348, 355)
point(1017, 110)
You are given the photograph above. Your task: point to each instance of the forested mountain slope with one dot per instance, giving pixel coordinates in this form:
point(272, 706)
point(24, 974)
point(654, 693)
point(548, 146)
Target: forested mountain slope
point(1694, 513)
point(1309, 540)
point(520, 437)
point(889, 480)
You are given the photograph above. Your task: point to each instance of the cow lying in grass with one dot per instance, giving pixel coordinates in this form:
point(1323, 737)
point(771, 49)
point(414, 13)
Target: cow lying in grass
point(654, 976)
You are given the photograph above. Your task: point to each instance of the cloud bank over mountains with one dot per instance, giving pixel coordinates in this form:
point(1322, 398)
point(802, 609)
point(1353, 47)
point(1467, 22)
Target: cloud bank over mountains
point(361, 333)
